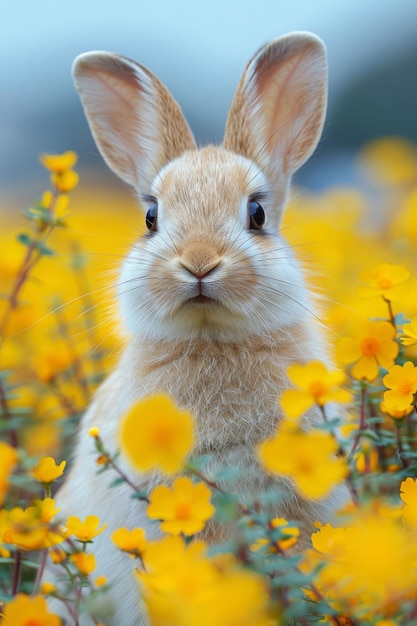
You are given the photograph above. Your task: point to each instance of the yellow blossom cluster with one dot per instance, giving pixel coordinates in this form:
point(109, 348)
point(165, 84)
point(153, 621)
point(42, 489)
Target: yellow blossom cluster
point(355, 422)
point(47, 471)
point(85, 530)
point(182, 586)
point(156, 435)
point(63, 177)
point(184, 509)
point(307, 457)
point(24, 610)
point(368, 566)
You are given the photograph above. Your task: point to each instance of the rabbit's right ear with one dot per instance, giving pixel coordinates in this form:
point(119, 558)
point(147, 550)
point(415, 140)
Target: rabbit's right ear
point(277, 113)
point(135, 121)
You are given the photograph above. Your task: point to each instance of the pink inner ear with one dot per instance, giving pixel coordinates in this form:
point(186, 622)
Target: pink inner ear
point(277, 75)
point(282, 98)
point(136, 123)
point(291, 94)
point(126, 90)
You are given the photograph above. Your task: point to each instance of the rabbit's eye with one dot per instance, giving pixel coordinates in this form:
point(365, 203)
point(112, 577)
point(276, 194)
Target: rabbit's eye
point(151, 216)
point(256, 215)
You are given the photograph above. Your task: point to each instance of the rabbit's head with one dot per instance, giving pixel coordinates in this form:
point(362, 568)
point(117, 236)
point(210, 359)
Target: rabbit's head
point(212, 263)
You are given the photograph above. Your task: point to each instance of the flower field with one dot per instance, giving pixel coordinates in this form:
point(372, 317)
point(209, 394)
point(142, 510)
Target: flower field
point(60, 336)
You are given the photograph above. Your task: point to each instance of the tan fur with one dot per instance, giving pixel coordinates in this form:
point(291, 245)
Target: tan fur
point(216, 311)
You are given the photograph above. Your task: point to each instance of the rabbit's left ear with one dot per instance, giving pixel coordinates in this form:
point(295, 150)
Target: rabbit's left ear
point(135, 121)
point(278, 110)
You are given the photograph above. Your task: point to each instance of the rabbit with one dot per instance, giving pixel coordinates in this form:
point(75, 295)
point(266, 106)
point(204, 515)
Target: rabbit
point(213, 299)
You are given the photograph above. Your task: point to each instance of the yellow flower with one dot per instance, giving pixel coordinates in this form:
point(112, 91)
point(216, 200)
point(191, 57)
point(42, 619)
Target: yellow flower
point(59, 162)
point(131, 541)
point(395, 413)
point(240, 598)
point(367, 460)
point(155, 434)
point(100, 581)
point(84, 562)
point(290, 535)
point(410, 333)
point(309, 458)
point(29, 529)
point(46, 509)
point(62, 175)
point(184, 509)
point(182, 586)
point(102, 459)
point(316, 385)
point(369, 565)
point(8, 460)
point(51, 207)
point(57, 555)
point(408, 495)
point(401, 381)
point(174, 575)
point(47, 199)
point(60, 208)
point(65, 181)
point(94, 431)
point(86, 530)
point(46, 471)
point(384, 280)
point(47, 588)
point(26, 611)
point(372, 346)
point(329, 540)
point(162, 555)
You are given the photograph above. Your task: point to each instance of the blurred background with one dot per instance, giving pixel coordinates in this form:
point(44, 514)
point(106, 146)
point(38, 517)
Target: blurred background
point(354, 204)
point(199, 51)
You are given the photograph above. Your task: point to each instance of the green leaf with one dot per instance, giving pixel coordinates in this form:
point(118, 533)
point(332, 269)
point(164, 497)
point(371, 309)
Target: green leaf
point(116, 482)
point(331, 424)
point(228, 474)
point(226, 506)
point(197, 463)
point(140, 495)
point(375, 420)
point(24, 239)
point(401, 319)
point(44, 250)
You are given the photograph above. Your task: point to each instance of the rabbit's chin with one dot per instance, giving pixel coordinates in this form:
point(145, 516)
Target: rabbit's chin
point(205, 319)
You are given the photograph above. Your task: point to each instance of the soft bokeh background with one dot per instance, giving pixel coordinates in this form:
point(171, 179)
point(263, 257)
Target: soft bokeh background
point(354, 207)
point(199, 50)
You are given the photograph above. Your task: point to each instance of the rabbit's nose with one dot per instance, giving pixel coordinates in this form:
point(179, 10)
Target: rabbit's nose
point(200, 270)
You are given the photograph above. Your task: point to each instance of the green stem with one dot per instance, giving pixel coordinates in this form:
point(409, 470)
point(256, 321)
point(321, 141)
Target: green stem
point(40, 571)
point(390, 311)
point(206, 480)
point(16, 572)
point(31, 258)
point(123, 476)
point(77, 366)
point(400, 448)
point(362, 417)
point(314, 589)
point(7, 415)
